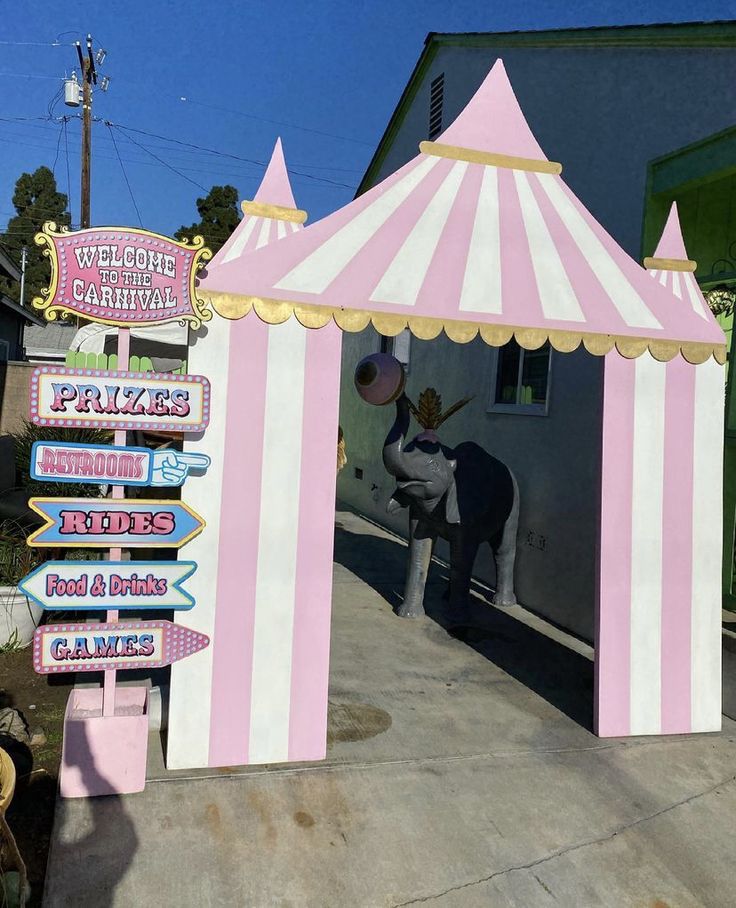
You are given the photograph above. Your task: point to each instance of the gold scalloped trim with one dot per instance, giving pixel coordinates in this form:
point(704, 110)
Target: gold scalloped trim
point(275, 312)
point(655, 264)
point(490, 158)
point(277, 212)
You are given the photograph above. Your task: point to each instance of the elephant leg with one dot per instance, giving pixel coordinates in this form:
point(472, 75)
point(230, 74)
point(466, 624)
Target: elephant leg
point(421, 542)
point(504, 553)
point(462, 558)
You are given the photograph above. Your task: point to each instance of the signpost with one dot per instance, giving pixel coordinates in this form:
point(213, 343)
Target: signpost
point(118, 276)
point(96, 585)
point(116, 645)
point(106, 464)
point(121, 400)
point(104, 522)
point(122, 276)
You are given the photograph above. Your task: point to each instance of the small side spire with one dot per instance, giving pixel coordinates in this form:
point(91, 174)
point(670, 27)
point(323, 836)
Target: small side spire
point(671, 254)
point(275, 188)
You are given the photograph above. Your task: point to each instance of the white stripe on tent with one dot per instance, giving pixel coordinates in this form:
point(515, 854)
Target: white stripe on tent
point(263, 236)
point(404, 277)
point(281, 229)
point(646, 546)
point(693, 291)
point(277, 544)
point(630, 306)
point(705, 656)
point(555, 290)
point(191, 679)
point(240, 240)
point(482, 281)
point(676, 286)
point(318, 270)
point(663, 275)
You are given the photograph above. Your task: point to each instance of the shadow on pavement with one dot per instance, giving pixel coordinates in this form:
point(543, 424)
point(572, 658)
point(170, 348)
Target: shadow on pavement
point(563, 677)
point(107, 846)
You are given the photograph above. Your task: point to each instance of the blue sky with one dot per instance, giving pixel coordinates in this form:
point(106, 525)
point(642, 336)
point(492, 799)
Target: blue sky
point(329, 72)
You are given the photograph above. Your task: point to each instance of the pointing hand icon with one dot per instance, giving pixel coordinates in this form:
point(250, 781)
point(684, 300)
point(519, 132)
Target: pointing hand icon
point(171, 468)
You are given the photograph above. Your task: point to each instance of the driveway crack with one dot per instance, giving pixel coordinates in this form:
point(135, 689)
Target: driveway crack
point(576, 846)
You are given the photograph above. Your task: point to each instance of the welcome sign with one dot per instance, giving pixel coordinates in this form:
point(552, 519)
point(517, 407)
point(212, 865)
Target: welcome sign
point(122, 276)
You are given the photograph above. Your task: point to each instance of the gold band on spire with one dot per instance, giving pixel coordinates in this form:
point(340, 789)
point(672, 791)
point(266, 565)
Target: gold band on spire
point(536, 165)
point(654, 264)
point(277, 212)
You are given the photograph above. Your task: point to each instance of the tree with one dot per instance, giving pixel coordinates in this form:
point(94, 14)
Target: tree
point(219, 216)
point(36, 200)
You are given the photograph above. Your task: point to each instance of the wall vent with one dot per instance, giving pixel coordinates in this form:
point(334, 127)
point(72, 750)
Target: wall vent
point(436, 99)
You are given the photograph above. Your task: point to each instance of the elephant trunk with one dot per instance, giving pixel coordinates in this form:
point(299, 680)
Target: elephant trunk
point(393, 446)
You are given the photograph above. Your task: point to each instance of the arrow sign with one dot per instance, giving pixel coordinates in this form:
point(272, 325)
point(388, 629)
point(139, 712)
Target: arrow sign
point(104, 522)
point(96, 585)
point(119, 400)
point(107, 464)
point(99, 647)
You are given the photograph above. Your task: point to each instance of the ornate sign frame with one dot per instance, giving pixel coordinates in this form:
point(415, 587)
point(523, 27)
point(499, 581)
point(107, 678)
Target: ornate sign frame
point(184, 258)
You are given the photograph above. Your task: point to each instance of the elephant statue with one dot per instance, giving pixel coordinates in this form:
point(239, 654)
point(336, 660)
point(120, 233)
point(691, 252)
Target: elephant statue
point(463, 495)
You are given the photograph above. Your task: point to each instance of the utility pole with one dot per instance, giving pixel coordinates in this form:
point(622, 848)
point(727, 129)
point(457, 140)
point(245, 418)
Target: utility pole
point(23, 256)
point(89, 76)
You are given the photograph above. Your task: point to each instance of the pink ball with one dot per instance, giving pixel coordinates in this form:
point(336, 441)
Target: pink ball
point(379, 379)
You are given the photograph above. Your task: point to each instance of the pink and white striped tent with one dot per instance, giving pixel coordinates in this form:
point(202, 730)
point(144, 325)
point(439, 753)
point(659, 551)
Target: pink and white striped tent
point(258, 694)
point(477, 234)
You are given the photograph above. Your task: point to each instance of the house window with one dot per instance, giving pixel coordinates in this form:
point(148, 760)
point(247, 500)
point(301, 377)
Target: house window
point(398, 346)
point(436, 100)
point(520, 380)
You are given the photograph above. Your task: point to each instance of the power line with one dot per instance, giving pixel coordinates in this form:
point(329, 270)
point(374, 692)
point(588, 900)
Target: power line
point(223, 154)
point(35, 43)
point(240, 113)
point(125, 176)
point(56, 156)
point(160, 160)
point(68, 178)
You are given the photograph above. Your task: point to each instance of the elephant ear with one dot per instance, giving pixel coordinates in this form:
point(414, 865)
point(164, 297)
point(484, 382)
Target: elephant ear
point(452, 511)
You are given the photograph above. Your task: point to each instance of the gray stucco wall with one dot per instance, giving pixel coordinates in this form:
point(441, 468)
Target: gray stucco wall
point(603, 113)
point(555, 459)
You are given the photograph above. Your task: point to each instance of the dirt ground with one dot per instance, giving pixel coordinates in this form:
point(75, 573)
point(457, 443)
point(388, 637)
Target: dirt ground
point(42, 705)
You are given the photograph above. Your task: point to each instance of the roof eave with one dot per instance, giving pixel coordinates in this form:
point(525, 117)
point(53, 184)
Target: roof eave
point(21, 310)
point(716, 33)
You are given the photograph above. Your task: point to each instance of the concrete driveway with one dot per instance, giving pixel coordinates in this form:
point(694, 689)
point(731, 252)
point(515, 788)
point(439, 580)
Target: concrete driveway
point(461, 772)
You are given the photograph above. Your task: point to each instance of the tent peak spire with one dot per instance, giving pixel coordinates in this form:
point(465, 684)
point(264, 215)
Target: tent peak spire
point(671, 254)
point(493, 122)
point(275, 188)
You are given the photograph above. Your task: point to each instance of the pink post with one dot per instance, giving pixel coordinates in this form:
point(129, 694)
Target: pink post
point(108, 690)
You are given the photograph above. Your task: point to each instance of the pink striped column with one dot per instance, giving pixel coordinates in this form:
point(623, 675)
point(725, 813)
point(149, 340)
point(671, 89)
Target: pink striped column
point(658, 622)
point(263, 588)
